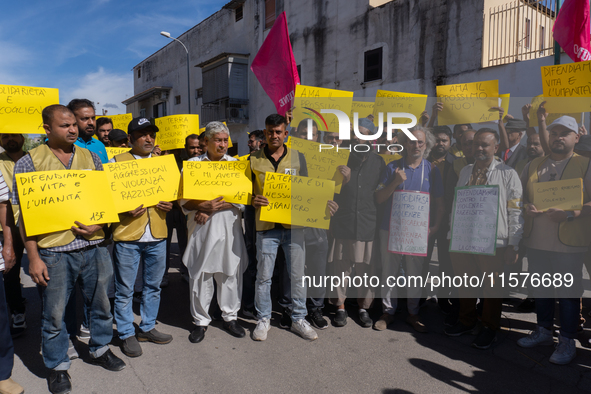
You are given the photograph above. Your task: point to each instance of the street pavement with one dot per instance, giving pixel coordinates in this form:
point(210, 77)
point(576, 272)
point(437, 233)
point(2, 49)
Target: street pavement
point(348, 359)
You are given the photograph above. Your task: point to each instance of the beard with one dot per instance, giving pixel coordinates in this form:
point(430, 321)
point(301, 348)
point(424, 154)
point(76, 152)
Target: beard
point(480, 157)
point(12, 147)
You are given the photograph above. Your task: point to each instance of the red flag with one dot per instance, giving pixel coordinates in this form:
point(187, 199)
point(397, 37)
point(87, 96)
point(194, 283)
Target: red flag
point(572, 30)
point(275, 67)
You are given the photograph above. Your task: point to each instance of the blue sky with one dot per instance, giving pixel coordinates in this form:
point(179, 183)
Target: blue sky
point(88, 48)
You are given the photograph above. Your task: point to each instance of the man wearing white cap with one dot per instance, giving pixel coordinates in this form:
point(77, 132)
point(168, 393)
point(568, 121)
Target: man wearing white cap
point(557, 240)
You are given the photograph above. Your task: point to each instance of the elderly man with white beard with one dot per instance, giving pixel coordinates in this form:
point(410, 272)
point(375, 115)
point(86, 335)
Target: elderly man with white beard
point(216, 248)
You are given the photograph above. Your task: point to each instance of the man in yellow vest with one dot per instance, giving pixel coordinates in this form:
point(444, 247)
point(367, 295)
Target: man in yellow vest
point(58, 260)
point(139, 235)
point(276, 157)
point(556, 240)
point(13, 151)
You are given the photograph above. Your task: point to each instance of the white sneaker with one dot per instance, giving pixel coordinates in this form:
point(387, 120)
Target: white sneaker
point(303, 329)
point(261, 330)
point(565, 351)
point(84, 332)
point(72, 353)
point(541, 336)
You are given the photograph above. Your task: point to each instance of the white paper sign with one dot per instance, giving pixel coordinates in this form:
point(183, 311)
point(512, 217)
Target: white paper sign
point(409, 223)
point(474, 220)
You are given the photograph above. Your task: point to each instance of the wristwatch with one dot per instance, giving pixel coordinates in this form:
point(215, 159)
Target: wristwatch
point(570, 216)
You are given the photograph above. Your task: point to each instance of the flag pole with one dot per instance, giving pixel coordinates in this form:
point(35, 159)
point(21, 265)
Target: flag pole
point(556, 46)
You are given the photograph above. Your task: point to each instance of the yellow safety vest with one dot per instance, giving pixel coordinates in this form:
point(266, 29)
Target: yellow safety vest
point(45, 160)
point(260, 165)
point(569, 233)
point(131, 229)
point(7, 169)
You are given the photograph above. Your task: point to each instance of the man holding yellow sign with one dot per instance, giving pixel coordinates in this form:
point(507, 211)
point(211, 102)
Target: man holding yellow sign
point(556, 239)
point(141, 233)
point(59, 259)
point(207, 257)
point(277, 158)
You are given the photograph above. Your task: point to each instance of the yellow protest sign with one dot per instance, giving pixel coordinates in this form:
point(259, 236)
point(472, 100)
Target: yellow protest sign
point(297, 200)
point(207, 180)
point(492, 115)
point(112, 152)
point(321, 163)
point(21, 106)
point(390, 158)
point(550, 117)
point(467, 102)
point(570, 81)
point(566, 195)
point(174, 129)
point(310, 100)
point(143, 182)
point(52, 201)
point(201, 130)
point(119, 121)
point(398, 102)
point(505, 99)
point(363, 109)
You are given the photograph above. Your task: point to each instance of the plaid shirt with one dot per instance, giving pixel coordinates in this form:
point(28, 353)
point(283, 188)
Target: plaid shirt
point(25, 164)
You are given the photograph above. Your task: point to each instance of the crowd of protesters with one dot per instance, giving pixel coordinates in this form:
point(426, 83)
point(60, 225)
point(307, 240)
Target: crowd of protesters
point(231, 257)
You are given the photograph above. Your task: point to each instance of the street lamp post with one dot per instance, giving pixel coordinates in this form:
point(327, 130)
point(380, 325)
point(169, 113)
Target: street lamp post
point(167, 34)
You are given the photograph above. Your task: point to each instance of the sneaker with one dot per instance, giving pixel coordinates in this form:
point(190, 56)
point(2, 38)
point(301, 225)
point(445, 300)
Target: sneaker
point(285, 321)
point(383, 322)
point(72, 352)
point(131, 347)
point(485, 339)
point(565, 351)
point(458, 329)
point(18, 326)
point(318, 320)
point(303, 329)
point(249, 313)
point(59, 382)
point(365, 319)
point(84, 332)
point(9, 386)
point(154, 336)
point(527, 305)
point(541, 336)
point(415, 322)
point(109, 361)
point(261, 330)
point(340, 318)
point(451, 320)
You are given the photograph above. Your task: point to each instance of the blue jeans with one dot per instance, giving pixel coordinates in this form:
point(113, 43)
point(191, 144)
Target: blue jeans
point(94, 270)
point(569, 303)
point(292, 243)
point(127, 259)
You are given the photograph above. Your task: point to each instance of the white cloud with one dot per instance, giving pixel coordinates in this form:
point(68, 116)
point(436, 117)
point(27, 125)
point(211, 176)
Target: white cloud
point(104, 88)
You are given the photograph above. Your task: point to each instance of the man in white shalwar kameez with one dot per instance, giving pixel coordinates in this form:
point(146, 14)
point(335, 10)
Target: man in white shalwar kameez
point(216, 248)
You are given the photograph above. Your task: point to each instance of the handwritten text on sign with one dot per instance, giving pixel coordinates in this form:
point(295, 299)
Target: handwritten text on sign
point(21, 106)
point(467, 102)
point(566, 195)
point(409, 223)
point(310, 100)
point(474, 220)
point(567, 80)
point(120, 122)
point(174, 129)
point(321, 164)
point(143, 182)
point(297, 200)
point(207, 180)
point(53, 200)
point(114, 151)
point(399, 102)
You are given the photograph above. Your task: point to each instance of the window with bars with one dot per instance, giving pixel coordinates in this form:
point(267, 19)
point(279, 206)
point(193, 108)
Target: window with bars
point(239, 13)
point(177, 100)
